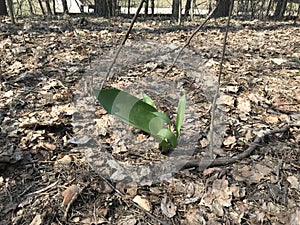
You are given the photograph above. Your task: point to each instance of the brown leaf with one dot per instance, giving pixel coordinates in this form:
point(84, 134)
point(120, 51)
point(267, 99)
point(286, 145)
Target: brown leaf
point(143, 202)
point(295, 218)
point(37, 220)
point(194, 216)
point(229, 141)
point(168, 208)
point(70, 193)
point(294, 182)
point(129, 189)
point(244, 105)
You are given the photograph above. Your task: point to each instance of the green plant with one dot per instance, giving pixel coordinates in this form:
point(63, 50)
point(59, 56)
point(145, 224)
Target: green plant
point(142, 114)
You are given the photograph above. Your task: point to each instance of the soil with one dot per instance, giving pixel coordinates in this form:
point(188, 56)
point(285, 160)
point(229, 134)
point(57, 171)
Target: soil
point(63, 160)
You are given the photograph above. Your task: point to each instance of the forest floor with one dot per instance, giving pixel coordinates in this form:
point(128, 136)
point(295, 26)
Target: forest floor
point(50, 175)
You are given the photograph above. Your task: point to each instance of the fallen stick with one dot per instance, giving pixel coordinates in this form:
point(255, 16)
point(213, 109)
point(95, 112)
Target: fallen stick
point(202, 164)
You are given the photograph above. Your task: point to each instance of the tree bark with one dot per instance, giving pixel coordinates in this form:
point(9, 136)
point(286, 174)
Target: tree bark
point(222, 9)
point(152, 7)
point(280, 9)
point(128, 12)
point(65, 6)
point(11, 11)
point(41, 6)
point(187, 7)
point(103, 8)
point(48, 7)
point(30, 7)
point(146, 7)
point(179, 14)
point(3, 8)
point(175, 8)
point(269, 8)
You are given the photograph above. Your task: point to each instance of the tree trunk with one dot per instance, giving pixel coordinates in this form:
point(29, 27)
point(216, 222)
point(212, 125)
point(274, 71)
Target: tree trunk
point(269, 8)
point(54, 9)
point(222, 9)
point(103, 8)
point(11, 11)
point(192, 10)
point(152, 7)
point(175, 8)
point(280, 9)
point(65, 6)
point(261, 13)
point(30, 7)
point(48, 7)
point(41, 6)
point(187, 8)
point(146, 7)
point(3, 8)
point(179, 14)
point(128, 12)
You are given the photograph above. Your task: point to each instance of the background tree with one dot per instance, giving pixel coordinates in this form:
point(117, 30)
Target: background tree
point(65, 6)
point(104, 8)
point(175, 8)
point(3, 8)
point(222, 9)
point(11, 10)
point(187, 7)
point(280, 9)
point(48, 7)
point(146, 7)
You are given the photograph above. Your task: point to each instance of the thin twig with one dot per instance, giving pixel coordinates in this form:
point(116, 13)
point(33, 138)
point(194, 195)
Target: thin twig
point(202, 164)
point(191, 37)
point(123, 42)
point(213, 106)
point(43, 189)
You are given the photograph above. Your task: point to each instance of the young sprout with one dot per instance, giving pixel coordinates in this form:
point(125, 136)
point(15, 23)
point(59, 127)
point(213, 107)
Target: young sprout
point(142, 114)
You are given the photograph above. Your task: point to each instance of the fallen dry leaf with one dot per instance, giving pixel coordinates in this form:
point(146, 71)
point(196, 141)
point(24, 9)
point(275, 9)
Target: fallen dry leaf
point(218, 196)
point(229, 141)
point(37, 220)
point(143, 202)
point(295, 218)
point(168, 207)
point(70, 193)
point(64, 161)
point(129, 189)
point(194, 216)
point(294, 182)
point(244, 105)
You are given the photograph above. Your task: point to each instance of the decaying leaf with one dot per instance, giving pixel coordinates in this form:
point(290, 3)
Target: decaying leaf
point(244, 105)
point(229, 141)
point(143, 202)
point(168, 207)
point(194, 216)
point(226, 99)
point(37, 220)
point(252, 174)
point(218, 196)
point(70, 193)
point(64, 161)
point(294, 182)
point(129, 189)
point(190, 189)
point(295, 218)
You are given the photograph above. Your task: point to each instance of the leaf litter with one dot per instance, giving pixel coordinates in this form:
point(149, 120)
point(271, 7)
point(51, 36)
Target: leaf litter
point(39, 74)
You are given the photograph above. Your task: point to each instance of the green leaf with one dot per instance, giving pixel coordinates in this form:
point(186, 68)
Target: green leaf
point(131, 110)
point(164, 117)
point(148, 100)
point(180, 114)
point(167, 136)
